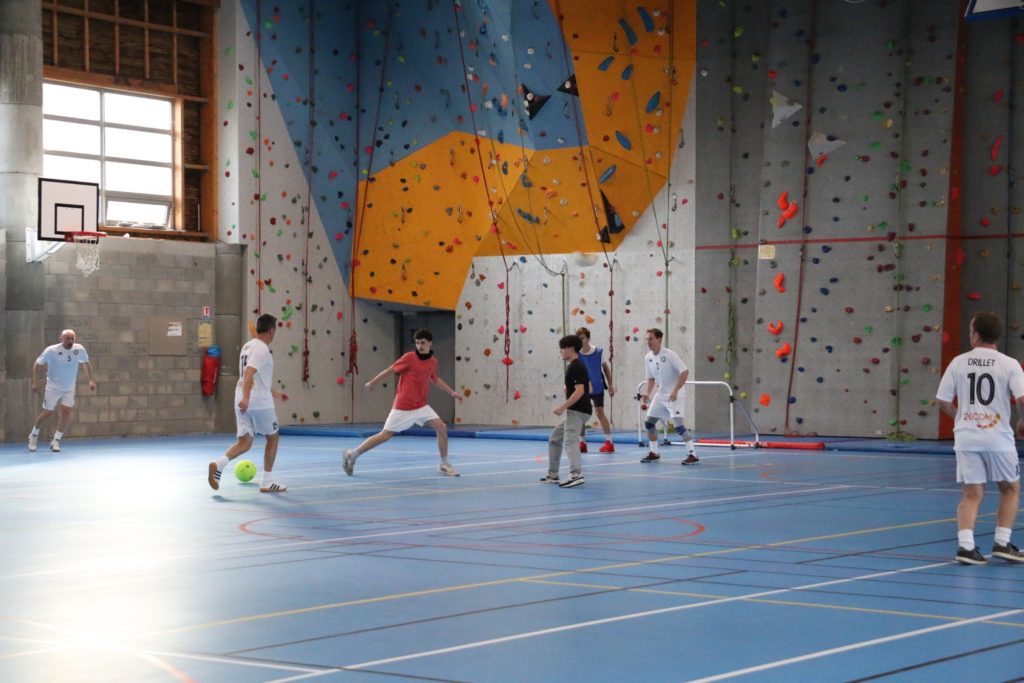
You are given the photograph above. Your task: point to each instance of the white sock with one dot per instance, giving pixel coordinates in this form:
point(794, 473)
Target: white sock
point(222, 462)
point(444, 459)
point(1003, 535)
point(34, 432)
point(267, 478)
point(652, 444)
point(57, 436)
point(966, 538)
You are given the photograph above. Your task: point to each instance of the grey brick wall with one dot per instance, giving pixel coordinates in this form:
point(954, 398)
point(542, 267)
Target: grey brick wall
point(138, 392)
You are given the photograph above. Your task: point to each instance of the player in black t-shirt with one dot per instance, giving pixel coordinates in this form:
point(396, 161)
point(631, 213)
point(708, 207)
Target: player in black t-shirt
point(575, 409)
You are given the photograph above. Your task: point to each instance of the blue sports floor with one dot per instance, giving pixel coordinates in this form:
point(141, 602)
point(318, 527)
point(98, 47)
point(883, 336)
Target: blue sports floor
point(120, 564)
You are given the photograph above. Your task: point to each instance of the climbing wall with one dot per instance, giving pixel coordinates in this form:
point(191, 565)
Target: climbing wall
point(648, 282)
point(990, 256)
point(803, 233)
point(840, 124)
point(465, 126)
point(287, 204)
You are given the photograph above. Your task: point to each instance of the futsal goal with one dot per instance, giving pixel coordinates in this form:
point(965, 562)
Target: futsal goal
point(731, 442)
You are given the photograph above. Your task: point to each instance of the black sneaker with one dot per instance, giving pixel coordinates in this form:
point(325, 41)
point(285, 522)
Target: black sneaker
point(651, 457)
point(972, 556)
point(574, 480)
point(691, 459)
point(1008, 552)
point(549, 479)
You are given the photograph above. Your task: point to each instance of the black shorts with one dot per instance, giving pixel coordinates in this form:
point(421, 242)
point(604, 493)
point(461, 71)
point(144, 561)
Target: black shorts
point(597, 400)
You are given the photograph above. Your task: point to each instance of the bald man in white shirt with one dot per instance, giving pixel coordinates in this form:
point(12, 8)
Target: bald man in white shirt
point(61, 362)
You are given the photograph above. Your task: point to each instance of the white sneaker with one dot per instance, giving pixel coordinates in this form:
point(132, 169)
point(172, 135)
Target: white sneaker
point(349, 462)
point(272, 487)
point(447, 470)
point(55, 446)
point(33, 442)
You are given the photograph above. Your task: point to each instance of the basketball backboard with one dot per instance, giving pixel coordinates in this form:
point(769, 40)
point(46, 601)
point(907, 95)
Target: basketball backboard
point(65, 207)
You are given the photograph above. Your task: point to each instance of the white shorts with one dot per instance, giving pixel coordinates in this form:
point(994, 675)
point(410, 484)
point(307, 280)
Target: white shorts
point(255, 422)
point(400, 420)
point(662, 408)
point(52, 396)
point(978, 467)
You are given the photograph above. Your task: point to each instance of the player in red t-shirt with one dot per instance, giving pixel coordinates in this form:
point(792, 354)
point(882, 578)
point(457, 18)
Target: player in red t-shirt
point(416, 371)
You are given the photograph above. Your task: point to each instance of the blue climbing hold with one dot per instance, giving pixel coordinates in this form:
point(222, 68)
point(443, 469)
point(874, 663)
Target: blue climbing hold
point(645, 17)
point(653, 103)
point(609, 172)
point(628, 30)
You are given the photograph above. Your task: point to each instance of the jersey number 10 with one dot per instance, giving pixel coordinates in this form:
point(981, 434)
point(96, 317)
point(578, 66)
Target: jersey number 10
point(982, 388)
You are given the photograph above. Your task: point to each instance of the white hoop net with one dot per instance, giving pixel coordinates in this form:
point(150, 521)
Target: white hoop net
point(87, 248)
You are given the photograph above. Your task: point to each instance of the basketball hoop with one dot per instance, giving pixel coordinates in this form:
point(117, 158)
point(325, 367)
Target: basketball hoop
point(87, 248)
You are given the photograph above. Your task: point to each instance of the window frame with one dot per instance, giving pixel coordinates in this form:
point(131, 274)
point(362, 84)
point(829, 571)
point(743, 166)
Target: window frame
point(171, 201)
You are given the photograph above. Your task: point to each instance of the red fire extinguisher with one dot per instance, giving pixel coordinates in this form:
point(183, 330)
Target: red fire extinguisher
point(211, 368)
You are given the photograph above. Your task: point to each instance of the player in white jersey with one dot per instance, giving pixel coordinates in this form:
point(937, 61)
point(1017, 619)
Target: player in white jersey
point(61, 362)
point(254, 406)
point(666, 370)
point(985, 384)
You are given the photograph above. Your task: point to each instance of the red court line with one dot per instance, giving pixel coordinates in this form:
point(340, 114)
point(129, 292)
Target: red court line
point(879, 239)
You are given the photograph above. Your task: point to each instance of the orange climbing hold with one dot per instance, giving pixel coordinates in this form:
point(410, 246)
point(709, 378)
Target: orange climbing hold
point(779, 279)
point(783, 351)
point(775, 328)
point(765, 400)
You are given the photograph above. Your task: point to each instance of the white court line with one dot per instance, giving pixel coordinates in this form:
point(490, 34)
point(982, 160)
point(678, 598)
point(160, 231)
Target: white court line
point(306, 670)
point(855, 646)
point(77, 641)
point(80, 567)
point(653, 612)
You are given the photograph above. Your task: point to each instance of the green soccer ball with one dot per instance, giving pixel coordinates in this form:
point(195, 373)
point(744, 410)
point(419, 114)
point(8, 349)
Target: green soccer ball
point(245, 470)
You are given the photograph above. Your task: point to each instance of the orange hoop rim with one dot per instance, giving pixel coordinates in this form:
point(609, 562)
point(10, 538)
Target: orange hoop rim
point(74, 236)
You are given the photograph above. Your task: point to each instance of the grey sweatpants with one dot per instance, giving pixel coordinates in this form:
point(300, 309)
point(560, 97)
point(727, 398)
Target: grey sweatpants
point(567, 433)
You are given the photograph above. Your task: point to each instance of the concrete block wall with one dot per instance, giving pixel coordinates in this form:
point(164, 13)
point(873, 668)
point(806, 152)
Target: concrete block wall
point(137, 392)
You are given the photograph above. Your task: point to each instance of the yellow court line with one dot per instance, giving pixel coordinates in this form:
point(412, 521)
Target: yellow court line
point(786, 603)
point(526, 579)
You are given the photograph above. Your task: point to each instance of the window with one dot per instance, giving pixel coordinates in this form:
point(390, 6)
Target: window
point(123, 142)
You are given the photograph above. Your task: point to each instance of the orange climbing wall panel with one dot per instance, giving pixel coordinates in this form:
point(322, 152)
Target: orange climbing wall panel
point(614, 100)
point(560, 196)
point(422, 222)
